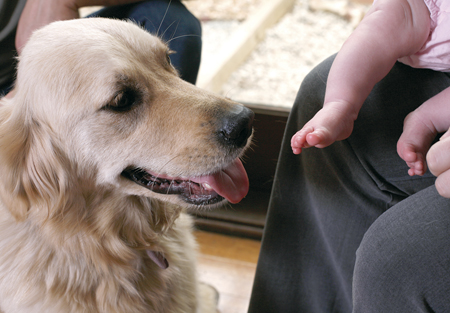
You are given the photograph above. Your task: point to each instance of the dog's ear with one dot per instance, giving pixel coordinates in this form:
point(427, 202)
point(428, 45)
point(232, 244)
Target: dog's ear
point(13, 149)
point(30, 168)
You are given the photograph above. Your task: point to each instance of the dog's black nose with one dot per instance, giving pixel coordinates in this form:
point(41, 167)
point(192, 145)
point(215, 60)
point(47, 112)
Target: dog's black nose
point(236, 127)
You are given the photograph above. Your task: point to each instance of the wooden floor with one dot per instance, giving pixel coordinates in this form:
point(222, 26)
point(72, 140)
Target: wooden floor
point(228, 264)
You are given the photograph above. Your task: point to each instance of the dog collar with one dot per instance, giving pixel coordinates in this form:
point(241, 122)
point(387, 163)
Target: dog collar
point(158, 258)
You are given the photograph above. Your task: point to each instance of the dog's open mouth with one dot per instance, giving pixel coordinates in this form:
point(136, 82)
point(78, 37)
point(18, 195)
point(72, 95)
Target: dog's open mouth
point(230, 183)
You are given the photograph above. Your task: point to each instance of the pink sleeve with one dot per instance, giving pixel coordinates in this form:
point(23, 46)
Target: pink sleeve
point(434, 8)
point(435, 53)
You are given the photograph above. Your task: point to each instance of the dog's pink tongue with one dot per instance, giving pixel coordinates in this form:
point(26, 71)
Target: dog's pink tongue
point(231, 183)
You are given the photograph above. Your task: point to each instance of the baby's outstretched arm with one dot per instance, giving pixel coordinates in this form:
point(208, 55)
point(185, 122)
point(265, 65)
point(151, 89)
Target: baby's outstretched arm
point(390, 30)
point(419, 130)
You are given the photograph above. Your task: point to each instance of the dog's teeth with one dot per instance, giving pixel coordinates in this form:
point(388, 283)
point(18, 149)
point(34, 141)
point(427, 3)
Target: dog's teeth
point(207, 186)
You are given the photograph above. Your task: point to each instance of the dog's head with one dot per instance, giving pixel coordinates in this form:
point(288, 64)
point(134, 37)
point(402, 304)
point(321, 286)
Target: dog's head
point(98, 106)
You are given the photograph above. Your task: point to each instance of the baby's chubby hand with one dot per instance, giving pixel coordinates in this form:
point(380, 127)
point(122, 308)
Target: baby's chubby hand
point(309, 137)
point(417, 136)
point(333, 122)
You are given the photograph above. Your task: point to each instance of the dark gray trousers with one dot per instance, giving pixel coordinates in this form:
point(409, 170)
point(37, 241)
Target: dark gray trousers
point(324, 201)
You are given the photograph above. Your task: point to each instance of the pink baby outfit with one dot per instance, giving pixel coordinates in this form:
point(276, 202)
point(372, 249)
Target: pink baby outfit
point(435, 53)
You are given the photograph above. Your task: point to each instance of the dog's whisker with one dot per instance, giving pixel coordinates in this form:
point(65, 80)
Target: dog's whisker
point(228, 92)
point(152, 185)
point(164, 17)
point(161, 169)
point(181, 36)
point(170, 185)
point(190, 190)
point(176, 28)
point(168, 27)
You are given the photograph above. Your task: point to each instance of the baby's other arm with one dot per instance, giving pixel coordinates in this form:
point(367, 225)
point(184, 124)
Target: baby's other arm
point(420, 128)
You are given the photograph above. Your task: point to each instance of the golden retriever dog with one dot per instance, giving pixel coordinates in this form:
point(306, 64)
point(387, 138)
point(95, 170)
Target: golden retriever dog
point(102, 148)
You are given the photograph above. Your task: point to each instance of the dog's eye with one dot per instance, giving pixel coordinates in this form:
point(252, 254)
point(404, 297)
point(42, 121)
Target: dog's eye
point(168, 54)
point(123, 101)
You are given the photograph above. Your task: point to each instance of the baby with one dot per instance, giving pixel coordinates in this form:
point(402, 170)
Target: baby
point(404, 30)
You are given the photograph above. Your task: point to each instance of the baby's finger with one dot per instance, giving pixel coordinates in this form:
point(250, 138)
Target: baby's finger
point(297, 144)
point(298, 141)
point(320, 138)
point(313, 139)
point(406, 152)
point(417, 168)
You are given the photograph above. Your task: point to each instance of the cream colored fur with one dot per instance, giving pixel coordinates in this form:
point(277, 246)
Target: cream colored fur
point(73, 231)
